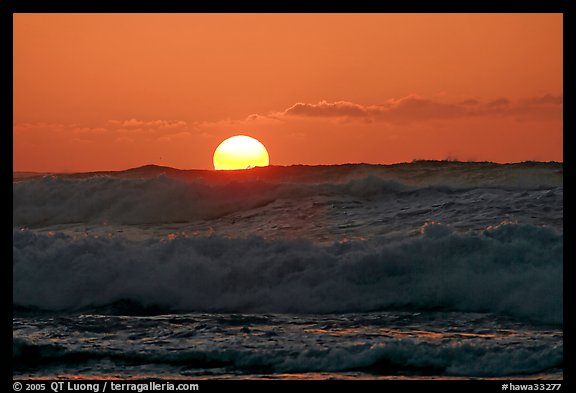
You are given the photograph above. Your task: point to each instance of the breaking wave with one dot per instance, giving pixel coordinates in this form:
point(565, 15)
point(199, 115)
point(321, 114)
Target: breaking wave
point(406, 356)
point(510, 269)
point(53, 200)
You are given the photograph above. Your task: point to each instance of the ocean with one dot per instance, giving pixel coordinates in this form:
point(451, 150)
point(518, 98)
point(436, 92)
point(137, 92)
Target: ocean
point(429, 269)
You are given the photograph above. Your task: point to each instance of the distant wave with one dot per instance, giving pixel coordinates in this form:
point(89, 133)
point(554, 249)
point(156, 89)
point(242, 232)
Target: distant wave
point(419, 171)
point(405, 355)
point(511, 269)
point(55, 200)
point(523, 174)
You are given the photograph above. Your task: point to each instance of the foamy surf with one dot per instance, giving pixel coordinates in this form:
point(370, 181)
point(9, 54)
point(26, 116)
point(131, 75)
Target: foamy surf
point(512, 269)
point(436, 269)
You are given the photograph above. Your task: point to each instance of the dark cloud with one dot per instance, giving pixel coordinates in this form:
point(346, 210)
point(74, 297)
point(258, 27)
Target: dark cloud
point(500, 102)
point(412, 107)
point(547, 99)
point(326, 109)
point(417, 108)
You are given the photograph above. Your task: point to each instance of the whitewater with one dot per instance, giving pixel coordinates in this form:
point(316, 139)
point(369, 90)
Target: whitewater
point(429, 269)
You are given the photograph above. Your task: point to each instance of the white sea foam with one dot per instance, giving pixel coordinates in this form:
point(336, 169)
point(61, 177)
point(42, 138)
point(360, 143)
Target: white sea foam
point(478, 359)
point(364, 205)
point(510, 269)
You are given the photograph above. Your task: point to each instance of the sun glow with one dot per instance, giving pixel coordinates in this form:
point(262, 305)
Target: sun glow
point(240, 152)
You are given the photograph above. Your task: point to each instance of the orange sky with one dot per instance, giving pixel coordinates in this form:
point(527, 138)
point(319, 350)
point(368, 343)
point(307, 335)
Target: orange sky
point(114, 91)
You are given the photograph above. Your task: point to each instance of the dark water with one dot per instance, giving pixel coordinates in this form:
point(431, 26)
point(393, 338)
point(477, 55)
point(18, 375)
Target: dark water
point(361, 345)
point(422, 270)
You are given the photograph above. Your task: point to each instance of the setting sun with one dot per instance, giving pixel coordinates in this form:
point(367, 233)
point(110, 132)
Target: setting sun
point(240, 152)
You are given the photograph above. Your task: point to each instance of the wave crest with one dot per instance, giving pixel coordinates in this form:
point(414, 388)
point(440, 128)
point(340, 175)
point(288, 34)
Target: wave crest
point(404, 355)
point(54, 200)
point(511, 269)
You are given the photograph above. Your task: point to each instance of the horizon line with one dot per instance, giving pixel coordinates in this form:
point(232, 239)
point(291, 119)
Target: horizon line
point(290, 165)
